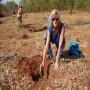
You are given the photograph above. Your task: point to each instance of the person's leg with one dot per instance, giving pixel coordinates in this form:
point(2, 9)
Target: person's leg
point(45, 38)
point(20, 21)
point(61, 52)
point(49, 52)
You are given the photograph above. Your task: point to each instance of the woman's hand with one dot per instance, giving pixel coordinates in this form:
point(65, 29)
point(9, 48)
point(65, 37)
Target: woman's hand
point(56, 66)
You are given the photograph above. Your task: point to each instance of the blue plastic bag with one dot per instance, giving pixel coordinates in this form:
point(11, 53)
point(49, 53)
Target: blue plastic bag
point(74, 49)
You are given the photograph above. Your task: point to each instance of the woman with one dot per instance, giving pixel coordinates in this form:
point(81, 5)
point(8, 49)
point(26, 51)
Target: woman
point(55, 35)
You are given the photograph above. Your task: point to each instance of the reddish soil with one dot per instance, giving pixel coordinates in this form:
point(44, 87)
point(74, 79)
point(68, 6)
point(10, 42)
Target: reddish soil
point(30, 67)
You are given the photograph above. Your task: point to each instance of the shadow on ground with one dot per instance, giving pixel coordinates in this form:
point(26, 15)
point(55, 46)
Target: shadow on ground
point(68, 58)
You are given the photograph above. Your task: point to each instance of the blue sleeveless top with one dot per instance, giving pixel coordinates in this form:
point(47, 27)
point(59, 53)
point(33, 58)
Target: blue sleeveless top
point(54, 38)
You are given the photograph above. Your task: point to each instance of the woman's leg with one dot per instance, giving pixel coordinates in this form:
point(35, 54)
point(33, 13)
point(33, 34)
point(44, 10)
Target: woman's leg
point(61, 52)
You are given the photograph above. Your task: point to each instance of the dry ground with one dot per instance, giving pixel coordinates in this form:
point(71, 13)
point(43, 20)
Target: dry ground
point(21, 52)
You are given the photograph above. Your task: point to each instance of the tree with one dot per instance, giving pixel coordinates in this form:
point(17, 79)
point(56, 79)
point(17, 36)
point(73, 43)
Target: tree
point(48, 5)
point(1, 15)
point(11, 6)
point(24, 3)
point(0, 6)
point(72, 2)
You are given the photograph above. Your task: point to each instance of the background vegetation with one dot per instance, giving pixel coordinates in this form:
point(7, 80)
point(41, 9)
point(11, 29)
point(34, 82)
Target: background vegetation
point(45, 5)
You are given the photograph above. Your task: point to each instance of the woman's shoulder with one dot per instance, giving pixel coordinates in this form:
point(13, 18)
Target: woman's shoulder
point(61, 25)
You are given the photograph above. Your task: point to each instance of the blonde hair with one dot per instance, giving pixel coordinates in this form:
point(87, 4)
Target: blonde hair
point(54, 12)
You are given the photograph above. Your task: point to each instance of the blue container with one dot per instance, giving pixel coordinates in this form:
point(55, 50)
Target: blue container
point(48, 21)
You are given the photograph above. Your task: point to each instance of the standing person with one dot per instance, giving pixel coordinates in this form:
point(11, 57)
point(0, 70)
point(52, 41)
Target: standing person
point(55, 35)
point(19, 15)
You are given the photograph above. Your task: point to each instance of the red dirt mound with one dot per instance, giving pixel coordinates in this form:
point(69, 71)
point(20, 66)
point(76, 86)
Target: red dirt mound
point(35, 28)
point(31, 67)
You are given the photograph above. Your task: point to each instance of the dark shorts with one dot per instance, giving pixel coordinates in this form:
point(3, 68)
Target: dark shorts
point(20, 19)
